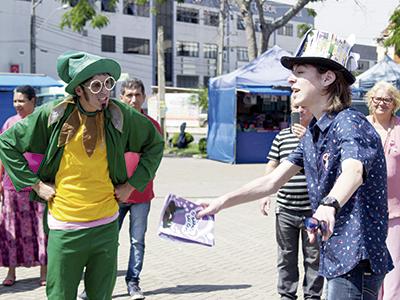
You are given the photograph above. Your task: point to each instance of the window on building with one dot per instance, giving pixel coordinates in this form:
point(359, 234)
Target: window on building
point(210, 51)
point(240, 23)
point(136, 46)
point(106, 6)
point(225, 54)
point(108, 43)
point(211, 18)
point(134, 9)
point(289, 29)
point(242, 54)
point(286, 30)
point(363, 65)
point(187, 15)
point(187, 81)
point(190, 49)
point(206, 79)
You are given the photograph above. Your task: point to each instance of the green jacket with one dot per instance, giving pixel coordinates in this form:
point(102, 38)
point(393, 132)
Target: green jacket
point(126, 130)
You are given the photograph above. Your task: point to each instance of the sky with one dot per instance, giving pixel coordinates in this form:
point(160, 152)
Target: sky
point(364, 18)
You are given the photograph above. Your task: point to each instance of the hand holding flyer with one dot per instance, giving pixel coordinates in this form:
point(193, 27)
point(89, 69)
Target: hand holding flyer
point(178, 222)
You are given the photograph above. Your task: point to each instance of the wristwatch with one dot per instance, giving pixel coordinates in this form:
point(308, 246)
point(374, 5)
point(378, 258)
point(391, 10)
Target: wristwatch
point(332, 202)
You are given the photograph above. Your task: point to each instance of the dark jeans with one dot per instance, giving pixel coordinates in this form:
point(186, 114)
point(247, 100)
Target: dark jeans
point(289, 228)
point(358, 284)
point(138, 214)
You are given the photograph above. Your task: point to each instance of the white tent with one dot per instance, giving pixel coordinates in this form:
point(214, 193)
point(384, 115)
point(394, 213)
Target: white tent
point(387, 69)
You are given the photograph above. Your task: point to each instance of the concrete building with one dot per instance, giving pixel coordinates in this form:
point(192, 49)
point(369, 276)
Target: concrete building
point(368, 57)
point(191, 35)
point(128, 38)
point(196, 36)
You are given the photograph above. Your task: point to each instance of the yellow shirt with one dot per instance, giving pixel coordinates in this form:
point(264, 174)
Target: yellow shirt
point(84, 191)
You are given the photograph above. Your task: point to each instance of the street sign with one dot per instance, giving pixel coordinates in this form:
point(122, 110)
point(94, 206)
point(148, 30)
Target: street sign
point(14, 68)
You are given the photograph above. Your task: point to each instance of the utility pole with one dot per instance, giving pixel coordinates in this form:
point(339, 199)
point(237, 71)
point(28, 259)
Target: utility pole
point(228, 43)
point(34, 4)
point(161, 80)
point(221, 31)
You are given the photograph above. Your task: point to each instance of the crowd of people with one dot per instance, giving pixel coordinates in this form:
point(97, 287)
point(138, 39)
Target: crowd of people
point(73, 169)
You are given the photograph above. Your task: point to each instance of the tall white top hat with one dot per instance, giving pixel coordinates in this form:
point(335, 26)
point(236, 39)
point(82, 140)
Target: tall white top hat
point(327, 50)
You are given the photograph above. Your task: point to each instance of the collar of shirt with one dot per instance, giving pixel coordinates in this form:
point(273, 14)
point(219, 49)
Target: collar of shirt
point(321, 125)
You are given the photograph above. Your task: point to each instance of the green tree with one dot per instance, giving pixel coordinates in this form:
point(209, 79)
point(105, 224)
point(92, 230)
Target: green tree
point(393, 31)
point(302, 29)
point(267, 29)
point(84, 11)
point(202, 99)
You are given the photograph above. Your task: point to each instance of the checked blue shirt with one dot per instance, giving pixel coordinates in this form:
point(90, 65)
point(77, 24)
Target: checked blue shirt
point(362, 223)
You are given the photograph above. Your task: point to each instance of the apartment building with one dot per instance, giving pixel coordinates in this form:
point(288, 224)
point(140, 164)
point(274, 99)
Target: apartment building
point(190, 33)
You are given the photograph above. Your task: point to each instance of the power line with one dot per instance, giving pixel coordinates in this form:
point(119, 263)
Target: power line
point(62, 48)
point(97, 44)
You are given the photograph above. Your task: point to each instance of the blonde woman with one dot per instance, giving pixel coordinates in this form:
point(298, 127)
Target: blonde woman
point(383, 101)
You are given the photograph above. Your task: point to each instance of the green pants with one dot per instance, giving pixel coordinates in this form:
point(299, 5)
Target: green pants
point(70, 251)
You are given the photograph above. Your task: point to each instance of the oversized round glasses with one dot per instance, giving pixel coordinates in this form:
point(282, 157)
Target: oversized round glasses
point(377, 100)
point(95, 86)
point(312, 224)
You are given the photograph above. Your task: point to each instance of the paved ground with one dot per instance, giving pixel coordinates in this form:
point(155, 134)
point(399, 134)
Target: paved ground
point(240, 266)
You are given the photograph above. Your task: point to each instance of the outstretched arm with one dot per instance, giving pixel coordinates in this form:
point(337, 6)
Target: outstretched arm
point(256, 189)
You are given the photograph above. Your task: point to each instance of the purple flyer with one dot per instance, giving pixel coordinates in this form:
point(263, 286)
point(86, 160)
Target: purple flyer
point(178, 222)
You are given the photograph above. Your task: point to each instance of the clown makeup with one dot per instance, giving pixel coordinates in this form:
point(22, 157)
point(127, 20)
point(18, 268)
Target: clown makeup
point(95, 93)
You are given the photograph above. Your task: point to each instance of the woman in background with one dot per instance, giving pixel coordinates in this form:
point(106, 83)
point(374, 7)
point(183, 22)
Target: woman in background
point(383, 102)
point(22, 239)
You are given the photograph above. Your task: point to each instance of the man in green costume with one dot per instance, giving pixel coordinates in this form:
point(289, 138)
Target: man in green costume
point(83, 175)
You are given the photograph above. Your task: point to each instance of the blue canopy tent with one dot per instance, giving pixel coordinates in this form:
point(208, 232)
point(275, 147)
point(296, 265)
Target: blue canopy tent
point(9, 81)
point(263, 76)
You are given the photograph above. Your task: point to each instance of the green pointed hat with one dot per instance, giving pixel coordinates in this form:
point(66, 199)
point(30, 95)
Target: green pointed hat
point(75, 67)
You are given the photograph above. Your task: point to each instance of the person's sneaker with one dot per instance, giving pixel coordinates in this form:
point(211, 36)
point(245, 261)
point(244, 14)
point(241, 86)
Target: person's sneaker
point(83, 295)
point(134, 291)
